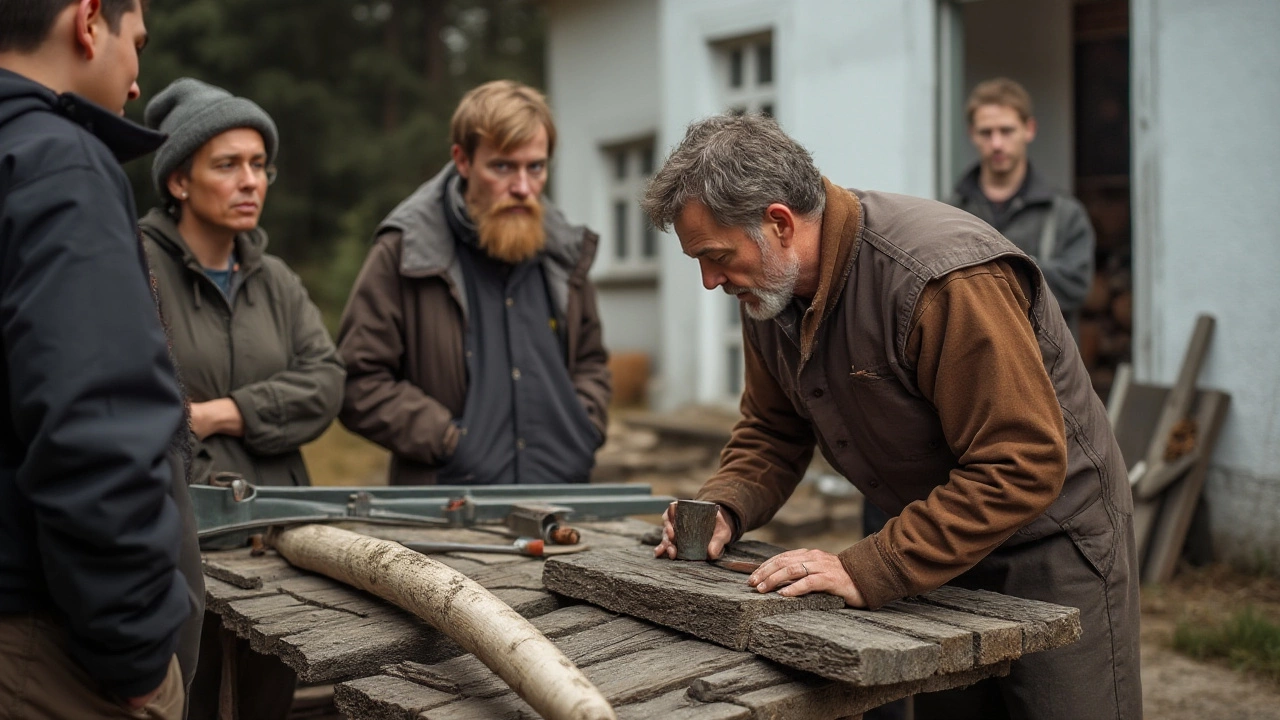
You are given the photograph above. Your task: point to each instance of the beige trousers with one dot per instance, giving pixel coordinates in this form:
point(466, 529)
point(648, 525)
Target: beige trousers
point(40, 681)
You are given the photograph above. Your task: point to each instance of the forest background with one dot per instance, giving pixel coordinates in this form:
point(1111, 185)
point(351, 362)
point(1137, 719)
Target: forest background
point(362, 94)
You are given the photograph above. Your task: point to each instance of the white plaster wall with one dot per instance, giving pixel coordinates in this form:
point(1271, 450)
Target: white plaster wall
point(602, 82)
point(1030, 42)
point(630, 317)
point(1207, 178)
point(855, 84)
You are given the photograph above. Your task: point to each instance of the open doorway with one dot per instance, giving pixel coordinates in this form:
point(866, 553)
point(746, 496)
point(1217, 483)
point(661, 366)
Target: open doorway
point(1072, 56)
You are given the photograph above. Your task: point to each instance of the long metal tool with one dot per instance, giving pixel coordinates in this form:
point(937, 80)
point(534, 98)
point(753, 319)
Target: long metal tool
point(227, 513)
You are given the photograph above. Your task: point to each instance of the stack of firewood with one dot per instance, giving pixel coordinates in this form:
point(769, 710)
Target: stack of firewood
point(1106, 326)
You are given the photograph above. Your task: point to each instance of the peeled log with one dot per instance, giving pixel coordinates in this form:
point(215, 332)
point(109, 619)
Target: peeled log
point(457, 606)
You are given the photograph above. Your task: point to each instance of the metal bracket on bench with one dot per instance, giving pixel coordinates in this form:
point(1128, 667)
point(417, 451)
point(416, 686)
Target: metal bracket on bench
point(232, 509)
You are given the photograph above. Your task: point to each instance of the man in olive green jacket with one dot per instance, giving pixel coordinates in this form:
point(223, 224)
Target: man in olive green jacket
point(923, 354)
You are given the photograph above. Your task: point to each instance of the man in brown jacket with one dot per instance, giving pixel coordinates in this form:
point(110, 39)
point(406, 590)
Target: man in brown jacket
point(923, 354)
point(472, 339)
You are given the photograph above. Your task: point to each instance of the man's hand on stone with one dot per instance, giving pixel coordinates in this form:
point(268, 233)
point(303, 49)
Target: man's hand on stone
point(715, 548)
point(807, 571)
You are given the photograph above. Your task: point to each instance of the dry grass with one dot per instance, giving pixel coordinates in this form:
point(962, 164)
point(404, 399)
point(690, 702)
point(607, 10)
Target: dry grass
point(1221, 615)
point(339, 457)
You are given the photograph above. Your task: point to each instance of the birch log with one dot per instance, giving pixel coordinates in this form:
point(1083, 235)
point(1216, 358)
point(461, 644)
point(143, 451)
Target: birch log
point(456, 605)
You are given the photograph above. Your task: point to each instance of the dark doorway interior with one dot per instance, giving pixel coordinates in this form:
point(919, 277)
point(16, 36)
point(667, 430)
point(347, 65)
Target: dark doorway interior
point(1100, 32)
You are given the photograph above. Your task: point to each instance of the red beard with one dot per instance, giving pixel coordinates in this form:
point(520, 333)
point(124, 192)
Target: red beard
point(511, 231)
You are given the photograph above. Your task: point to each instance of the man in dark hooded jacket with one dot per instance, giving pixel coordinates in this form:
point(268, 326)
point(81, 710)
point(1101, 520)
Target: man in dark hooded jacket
point(91, 597)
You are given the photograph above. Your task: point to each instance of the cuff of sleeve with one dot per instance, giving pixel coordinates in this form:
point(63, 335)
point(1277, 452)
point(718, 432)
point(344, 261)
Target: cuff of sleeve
point(449, 444)
point(872, 573)
point(732, 510)
point(260, 433)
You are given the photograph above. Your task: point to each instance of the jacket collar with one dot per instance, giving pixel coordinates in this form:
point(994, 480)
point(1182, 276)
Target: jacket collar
point(842, 229)
point(1035, 189)
point(160, 227)
point(125, 139)
point(429, 244)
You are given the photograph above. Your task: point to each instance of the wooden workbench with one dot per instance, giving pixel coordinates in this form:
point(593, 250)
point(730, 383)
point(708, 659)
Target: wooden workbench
point(389, 664)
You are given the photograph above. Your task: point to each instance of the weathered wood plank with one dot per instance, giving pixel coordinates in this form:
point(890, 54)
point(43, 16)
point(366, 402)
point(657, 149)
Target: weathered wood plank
point(706, 601)
point(386, 697)
point(317, 625)
point(994, 639)
point(839, 646)
point(755, 674)
point(1169, 534)
point(956, 645)
point(677, 705)
point(615, 639)
point(355, 649)
point(751, 551)
point(1044, 625)
point(650, 673)
point(818, 698)
point(505, 707)
point(242, 569)
point(570, 620)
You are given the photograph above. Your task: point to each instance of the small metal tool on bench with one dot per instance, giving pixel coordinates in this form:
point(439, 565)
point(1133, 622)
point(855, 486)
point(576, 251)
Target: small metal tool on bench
point(532, 547)
point(542, 521)
point(231, 509)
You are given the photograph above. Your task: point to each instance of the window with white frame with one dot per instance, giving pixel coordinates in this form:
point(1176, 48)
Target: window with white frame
point(630, 240)
point(746, 72)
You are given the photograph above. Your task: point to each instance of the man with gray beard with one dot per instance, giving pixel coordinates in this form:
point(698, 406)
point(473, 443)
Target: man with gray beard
point(471, 338)
point(923, 354)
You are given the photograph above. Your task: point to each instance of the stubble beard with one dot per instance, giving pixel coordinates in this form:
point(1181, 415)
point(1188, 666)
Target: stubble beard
point(776, 289)
point(509, 235)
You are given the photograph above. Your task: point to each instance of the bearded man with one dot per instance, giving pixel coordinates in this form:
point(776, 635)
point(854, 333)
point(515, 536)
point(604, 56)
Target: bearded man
point(472, 338)
point(925, 356)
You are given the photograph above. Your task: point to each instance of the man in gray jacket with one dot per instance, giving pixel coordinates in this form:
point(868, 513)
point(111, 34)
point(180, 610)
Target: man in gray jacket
point(1005, 191)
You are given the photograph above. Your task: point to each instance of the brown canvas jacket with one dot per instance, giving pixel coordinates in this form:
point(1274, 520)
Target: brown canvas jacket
point(402, 333)
point(936, 374)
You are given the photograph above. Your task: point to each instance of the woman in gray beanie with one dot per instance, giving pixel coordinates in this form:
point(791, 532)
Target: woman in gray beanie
point(260, 370)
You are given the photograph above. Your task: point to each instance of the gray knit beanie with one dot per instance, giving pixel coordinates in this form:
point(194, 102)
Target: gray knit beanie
point(192, 113)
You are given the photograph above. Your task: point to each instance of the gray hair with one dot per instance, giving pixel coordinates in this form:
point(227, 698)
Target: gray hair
point(735, 165)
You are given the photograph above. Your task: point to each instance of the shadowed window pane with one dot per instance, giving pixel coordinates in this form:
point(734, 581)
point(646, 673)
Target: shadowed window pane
point(620, 164)
point(646, 160)
point(767, 109)
point(735, 68)
point(650, 247)
point(620, 227)
point(764, 64)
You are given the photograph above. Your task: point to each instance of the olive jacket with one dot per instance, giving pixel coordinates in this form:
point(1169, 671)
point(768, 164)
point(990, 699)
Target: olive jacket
point(265, 347)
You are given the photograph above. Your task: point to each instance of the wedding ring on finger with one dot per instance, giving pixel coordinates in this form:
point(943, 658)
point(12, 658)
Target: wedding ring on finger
point(806, 569)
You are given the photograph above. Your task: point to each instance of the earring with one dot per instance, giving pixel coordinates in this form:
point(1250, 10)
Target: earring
point(184, 194)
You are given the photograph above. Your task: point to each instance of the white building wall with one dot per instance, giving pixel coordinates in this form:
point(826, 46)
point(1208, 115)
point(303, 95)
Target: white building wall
point(602, 82)
point(854, 83)
point(1206, 177)
point(1029, 41)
